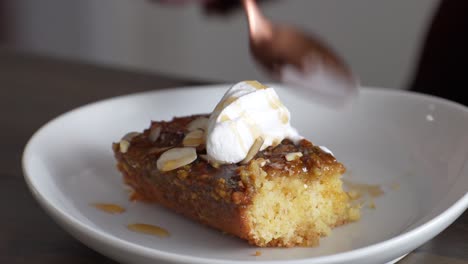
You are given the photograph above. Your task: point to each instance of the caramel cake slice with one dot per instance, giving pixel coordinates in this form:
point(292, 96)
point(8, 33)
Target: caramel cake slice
point(288, 194)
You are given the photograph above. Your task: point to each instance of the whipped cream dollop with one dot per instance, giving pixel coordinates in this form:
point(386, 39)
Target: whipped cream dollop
point(247, 111)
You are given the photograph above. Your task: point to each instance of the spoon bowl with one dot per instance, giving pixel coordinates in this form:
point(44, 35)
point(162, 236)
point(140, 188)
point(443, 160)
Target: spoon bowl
point(300, 60)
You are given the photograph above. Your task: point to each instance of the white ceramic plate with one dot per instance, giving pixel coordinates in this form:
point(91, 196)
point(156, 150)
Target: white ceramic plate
point(417, 142)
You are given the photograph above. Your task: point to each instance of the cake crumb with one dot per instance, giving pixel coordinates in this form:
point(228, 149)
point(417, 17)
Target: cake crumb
point(354, 194)
point(257, 253)
point(368, 189)
point(354, 214)
point(372, 205)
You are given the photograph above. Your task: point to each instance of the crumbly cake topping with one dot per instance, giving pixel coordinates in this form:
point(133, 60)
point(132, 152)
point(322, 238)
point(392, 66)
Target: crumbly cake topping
point(179, 144)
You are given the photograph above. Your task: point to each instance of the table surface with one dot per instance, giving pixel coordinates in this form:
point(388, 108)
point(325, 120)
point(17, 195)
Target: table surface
point(33, 90)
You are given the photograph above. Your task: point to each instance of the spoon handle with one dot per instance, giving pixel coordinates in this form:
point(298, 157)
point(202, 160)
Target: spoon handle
point(259, 26)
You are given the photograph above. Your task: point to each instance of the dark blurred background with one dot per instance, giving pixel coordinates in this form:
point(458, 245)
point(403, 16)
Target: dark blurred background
point(3, 22)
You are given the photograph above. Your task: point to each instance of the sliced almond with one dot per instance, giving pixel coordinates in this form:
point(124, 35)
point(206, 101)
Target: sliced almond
point(194, 138)
point(199, 123)
point(176, 158)
point(257, 85)
point(130, 136)
point(157, 150)
point(154, 134)
point(253, 150)
point(124, 145)
point(293, 156)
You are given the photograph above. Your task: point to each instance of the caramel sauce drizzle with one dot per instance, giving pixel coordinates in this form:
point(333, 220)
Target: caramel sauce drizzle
point(109, 208)
point(148, 229)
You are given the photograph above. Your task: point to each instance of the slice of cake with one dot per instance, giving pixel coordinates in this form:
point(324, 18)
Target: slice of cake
point(282, 194)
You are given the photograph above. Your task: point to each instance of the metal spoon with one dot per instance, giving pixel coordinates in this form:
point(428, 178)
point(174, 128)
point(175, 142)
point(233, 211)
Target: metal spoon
point(299, 60)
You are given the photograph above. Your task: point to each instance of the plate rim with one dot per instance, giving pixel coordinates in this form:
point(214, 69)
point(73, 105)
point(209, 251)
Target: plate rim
point(67, 220)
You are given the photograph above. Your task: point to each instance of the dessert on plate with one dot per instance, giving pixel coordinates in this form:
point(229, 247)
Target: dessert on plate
point(243, 169)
